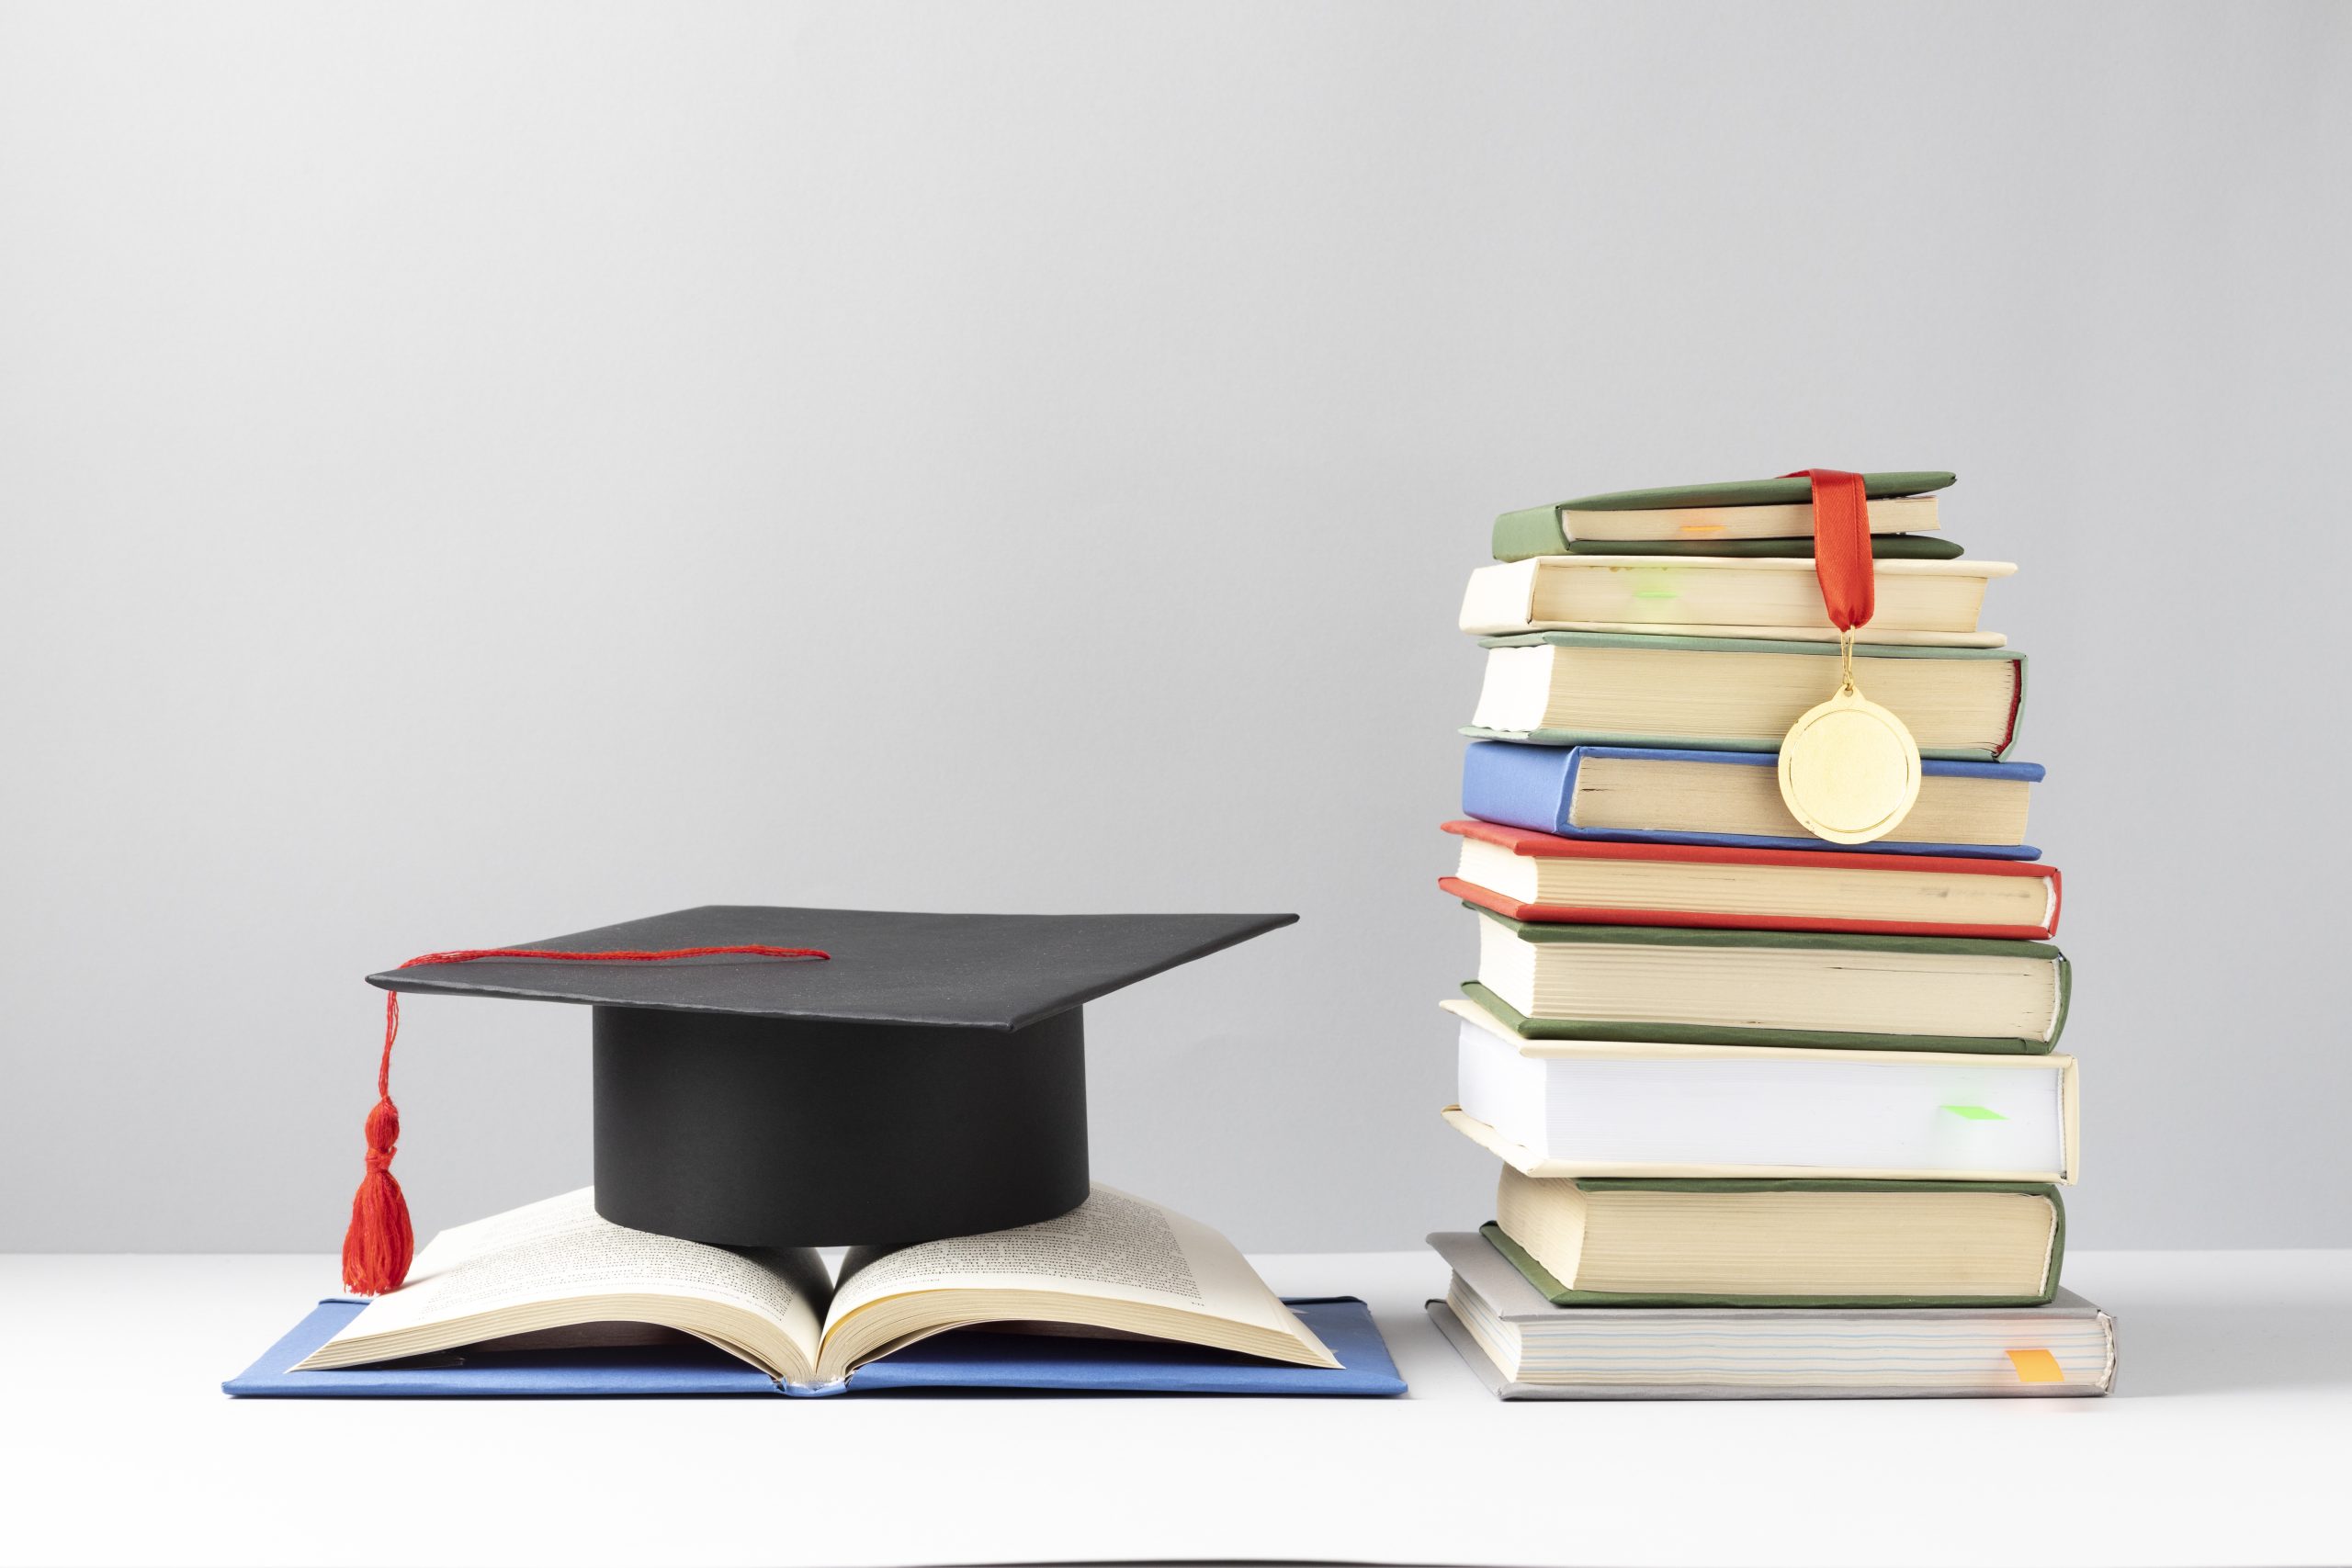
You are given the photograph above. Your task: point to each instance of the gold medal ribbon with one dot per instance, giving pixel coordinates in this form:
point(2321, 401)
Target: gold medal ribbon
point(1841, 545)
point(1849, 769)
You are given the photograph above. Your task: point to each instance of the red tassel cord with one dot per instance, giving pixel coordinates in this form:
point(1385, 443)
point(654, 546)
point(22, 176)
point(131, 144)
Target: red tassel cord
point(1841, 545)
point(379, 1243)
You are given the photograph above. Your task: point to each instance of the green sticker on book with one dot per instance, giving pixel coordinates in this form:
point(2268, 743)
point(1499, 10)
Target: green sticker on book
point(1975, 1113)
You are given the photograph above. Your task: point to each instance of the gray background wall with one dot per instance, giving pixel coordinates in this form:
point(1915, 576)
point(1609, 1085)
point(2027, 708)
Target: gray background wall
point(470, 475)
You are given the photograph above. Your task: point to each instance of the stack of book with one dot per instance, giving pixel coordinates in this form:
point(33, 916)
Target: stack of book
point(1775, 1117)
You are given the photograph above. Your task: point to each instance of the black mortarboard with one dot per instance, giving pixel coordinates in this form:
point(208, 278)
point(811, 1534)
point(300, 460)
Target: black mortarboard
point(839, 1076)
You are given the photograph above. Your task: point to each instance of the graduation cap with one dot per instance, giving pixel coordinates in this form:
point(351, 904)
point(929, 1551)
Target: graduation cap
point(801, 1077)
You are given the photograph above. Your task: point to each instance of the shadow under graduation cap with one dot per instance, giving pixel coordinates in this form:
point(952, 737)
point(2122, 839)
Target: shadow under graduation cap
point(927, 1079)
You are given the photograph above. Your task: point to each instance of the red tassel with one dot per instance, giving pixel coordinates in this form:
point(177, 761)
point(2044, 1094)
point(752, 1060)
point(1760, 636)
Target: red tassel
point(378, 1244)
point(379, 1241)
point(377, 1247)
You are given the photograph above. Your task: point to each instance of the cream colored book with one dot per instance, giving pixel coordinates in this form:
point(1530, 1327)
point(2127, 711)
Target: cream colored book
point(1116, 1264)
point(1562, 688)
point(1633, 1107)
point(1525, 1347)
point(1918, 602)
point(1699, 524)
point(1708, 986)
point(1785, 1243)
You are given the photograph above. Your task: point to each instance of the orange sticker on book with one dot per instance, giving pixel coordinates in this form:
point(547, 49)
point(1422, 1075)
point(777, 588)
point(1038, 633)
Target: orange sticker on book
point(2036, 1365)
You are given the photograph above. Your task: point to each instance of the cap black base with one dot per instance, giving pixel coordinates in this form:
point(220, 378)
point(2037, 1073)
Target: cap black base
point(770, 1132)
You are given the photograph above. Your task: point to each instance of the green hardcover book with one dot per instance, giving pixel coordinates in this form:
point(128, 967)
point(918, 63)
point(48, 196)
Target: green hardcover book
point(1677, 985)
point(1781, 1243)
point(1962, 705)
point(1884, 546)
point(1883, 485)
point(1715, 517)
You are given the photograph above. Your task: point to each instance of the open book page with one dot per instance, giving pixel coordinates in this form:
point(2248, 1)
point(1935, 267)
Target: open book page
point(1116, 1262)
point(555, 1264)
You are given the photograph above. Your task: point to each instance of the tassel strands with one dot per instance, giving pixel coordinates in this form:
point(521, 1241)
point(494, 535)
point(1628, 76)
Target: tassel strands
point(379, 1241)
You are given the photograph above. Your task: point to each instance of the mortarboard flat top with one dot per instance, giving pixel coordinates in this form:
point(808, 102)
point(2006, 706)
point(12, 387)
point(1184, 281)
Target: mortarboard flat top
point(997, 972)
point(926, 1080)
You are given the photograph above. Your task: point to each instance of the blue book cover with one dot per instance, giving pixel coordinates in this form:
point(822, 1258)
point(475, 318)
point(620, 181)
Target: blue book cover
point(967, 1358)
point(1534, 787)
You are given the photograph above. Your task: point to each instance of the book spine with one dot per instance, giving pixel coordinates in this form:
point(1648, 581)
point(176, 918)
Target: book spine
point(1500, 598)
point(1519, 786)
point(2016, 709)
point(2065, 1001)
point(1533, 531)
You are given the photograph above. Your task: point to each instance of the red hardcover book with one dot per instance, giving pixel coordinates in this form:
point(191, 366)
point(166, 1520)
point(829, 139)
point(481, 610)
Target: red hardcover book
point(1543, 878)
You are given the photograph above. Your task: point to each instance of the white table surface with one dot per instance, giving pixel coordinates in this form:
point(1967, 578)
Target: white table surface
point(2229, 1440)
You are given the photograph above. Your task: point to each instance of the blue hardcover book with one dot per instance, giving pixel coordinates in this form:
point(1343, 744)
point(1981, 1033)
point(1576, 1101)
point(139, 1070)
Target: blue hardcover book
point(1645, 795)
point(969, 1359)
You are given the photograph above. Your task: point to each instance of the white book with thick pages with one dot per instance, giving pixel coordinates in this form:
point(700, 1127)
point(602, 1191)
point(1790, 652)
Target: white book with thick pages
point(1615, 1108)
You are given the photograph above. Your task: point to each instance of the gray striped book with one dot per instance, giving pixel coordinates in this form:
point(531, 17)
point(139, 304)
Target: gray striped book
point(1523, 1347)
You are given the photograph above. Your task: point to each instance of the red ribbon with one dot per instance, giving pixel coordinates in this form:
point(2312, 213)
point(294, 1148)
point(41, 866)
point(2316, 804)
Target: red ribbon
point(1841, 545)
point(379, 1243)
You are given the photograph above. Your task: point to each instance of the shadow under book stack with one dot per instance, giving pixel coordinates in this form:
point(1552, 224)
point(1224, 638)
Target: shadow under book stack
point(1776, 1117)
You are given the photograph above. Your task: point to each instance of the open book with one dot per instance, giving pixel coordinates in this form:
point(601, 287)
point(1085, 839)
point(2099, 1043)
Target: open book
point(554, 1273)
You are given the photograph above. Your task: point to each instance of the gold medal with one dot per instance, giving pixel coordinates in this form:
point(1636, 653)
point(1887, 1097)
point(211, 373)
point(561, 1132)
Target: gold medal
point(1849, 770)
